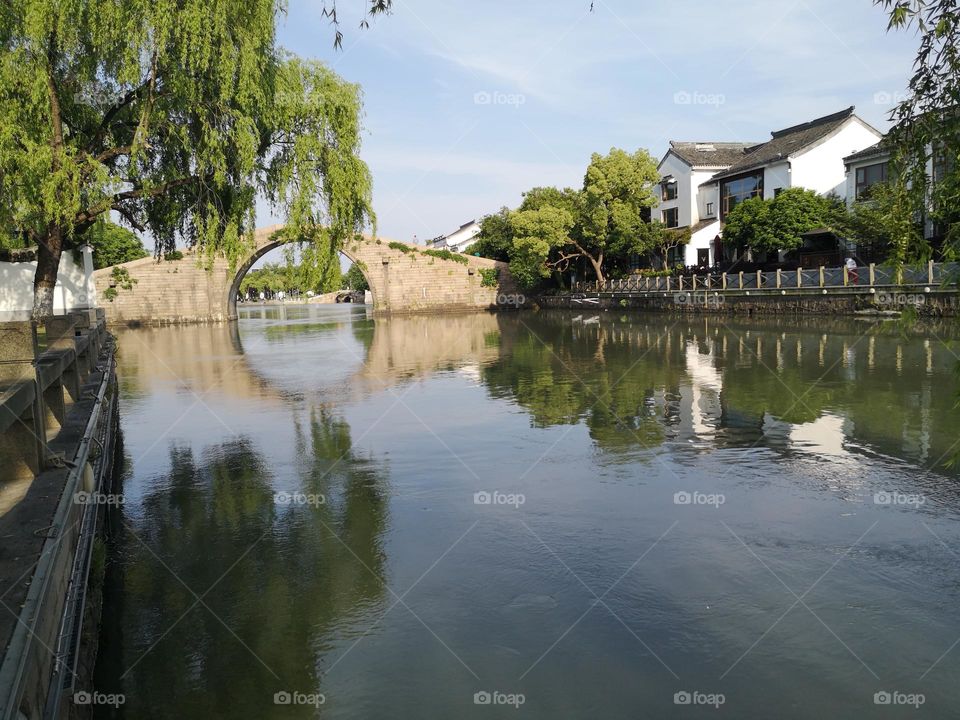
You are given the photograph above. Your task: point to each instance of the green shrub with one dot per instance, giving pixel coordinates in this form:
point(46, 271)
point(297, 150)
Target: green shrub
point(490, 277)
point(173, 255)
point(447, 255)
point(394, 245)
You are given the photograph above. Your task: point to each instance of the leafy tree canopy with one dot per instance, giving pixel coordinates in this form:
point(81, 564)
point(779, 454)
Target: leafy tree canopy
point(355, 279)
point(113, 244)
point(495, 238)
point(175, 114)
point(617, 188)
point(927, 122)
point(599, 224)
point(779, 223)
point(537, 233)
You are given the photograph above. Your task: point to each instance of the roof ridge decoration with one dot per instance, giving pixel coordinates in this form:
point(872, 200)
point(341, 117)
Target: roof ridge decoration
point(842, 115)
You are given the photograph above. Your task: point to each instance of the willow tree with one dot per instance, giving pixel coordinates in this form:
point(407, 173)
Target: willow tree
point(926, 129)
point(174, 115)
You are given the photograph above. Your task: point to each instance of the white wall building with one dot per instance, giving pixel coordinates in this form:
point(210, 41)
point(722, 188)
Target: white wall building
point(74, 289)
point(459, 240)
point(810, 155)
point(683, 169)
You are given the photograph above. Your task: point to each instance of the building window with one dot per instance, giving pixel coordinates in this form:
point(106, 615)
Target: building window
point(668, 190)
point(777, 191)
point(710, 212)
point(734, 192)
point(943, 163)
point(869, 176)
point(671, 217)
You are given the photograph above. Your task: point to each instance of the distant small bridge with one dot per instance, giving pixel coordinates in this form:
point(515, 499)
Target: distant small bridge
point(183, 291)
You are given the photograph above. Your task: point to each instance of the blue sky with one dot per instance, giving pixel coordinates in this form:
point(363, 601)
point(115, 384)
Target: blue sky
point(468, 104)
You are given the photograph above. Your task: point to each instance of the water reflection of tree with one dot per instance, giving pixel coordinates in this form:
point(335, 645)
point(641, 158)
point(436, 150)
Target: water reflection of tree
point(287, 577)
point(626, 378)
point(564, 373)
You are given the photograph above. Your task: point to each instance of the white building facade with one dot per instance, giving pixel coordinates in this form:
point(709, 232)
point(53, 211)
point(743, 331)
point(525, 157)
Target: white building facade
point(459, 240)
point(683, 169)
point(811, 155)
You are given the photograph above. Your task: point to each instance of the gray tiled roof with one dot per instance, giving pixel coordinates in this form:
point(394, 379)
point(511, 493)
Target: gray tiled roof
point(877, 150)
point(785, 143)
point(710, 154)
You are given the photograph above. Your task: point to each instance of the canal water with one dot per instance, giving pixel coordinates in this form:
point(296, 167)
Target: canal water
point(534, 515)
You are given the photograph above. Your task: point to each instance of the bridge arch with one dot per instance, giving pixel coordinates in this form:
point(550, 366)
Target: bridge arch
point(275, 240)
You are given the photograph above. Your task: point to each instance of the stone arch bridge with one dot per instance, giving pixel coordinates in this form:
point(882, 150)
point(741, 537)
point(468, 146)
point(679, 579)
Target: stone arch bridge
point(183, 291)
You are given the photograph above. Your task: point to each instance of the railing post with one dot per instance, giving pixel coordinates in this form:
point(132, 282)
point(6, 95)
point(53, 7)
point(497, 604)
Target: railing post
point(759, 279)
point(709, 281)
point(741, 279)
point(723, 280)
point(873, 274)
point(799, 278)
point(779, 278)
point(821, 276)
point(930, 272)
point(694, 282)
point(668, 282)
point(681, 283)
point(846, 276)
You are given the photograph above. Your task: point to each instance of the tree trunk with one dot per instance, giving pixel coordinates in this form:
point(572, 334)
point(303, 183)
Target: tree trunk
point(597, 268)
point(49, 250)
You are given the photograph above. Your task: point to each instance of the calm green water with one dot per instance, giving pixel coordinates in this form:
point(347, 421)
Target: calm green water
point(587, 514)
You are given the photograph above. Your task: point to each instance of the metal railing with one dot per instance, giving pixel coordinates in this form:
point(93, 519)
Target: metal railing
point(865, 276)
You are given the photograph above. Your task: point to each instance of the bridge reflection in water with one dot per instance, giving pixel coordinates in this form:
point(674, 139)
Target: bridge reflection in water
point(299, 512)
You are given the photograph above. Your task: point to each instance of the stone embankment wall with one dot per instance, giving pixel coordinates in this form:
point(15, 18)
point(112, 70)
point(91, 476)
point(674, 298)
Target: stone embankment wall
point(937, 303)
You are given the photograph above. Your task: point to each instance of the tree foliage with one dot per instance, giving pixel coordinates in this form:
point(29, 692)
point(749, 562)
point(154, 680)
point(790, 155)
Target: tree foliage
point(884, 224)
point(175, 114)
point(617, 190)
point(780, 223)
point(658, 239)
point(355, 279)
point(554, 228)
point(495, 237)
point(927, 122)
point(537, 234)
point(113, 244)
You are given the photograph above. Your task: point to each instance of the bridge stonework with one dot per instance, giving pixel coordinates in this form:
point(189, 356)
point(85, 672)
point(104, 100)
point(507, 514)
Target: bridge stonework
point(184, 291)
